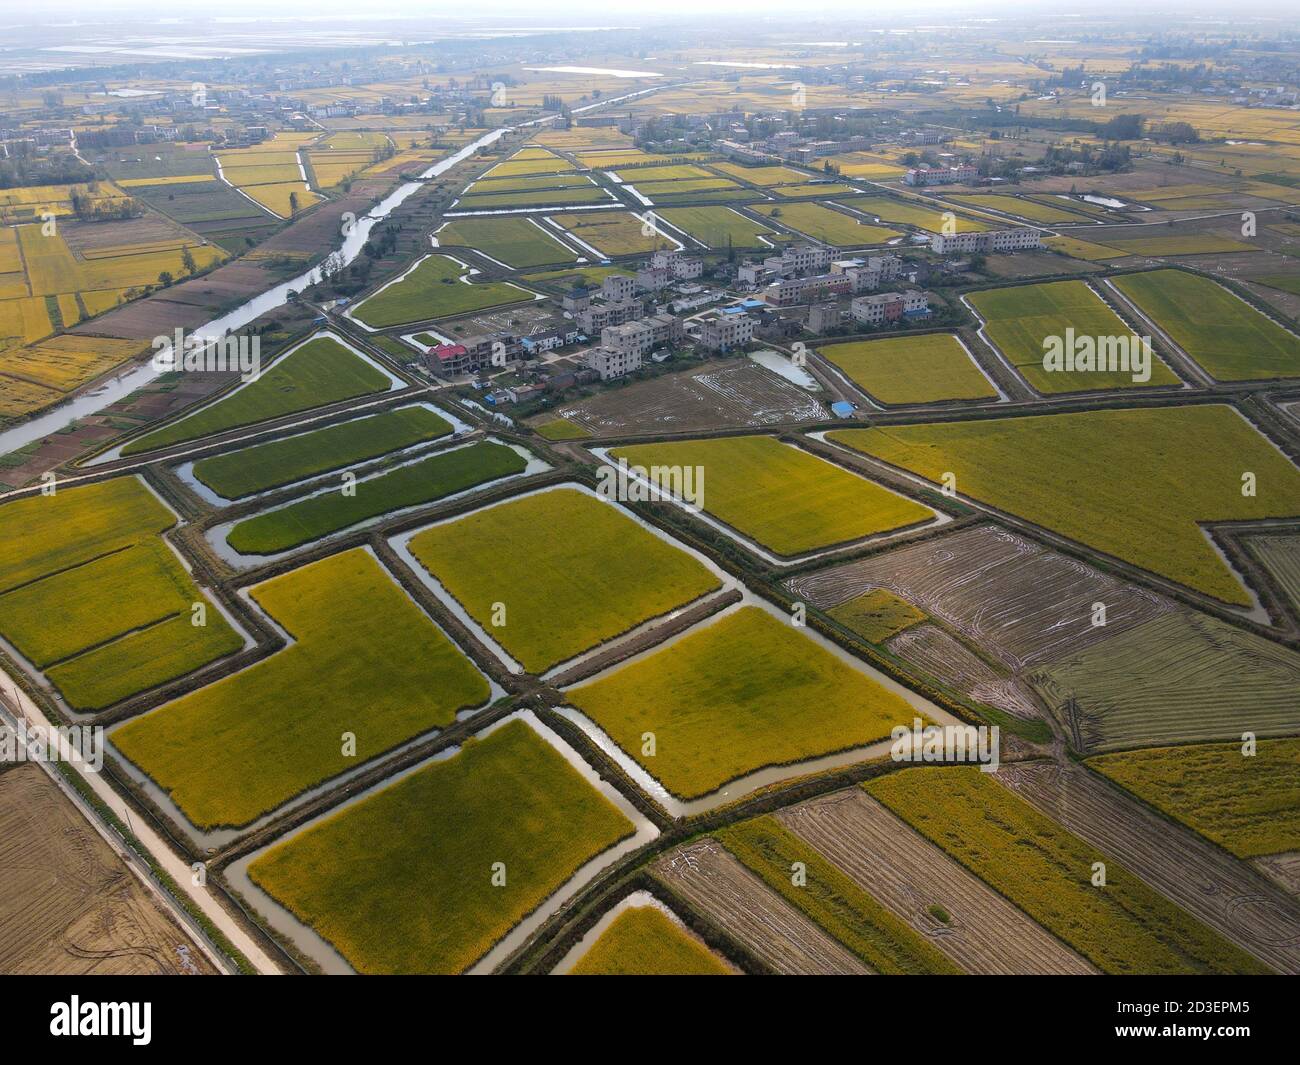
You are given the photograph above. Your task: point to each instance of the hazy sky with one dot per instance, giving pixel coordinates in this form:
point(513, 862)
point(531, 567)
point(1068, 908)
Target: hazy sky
point(604, 13)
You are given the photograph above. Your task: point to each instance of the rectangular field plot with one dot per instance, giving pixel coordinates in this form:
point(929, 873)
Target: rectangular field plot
point(889, 945)
point(1045, 870)
point(425, 481)
point(502, 201)
point(921, 369)
point(709, 878)
point(422, 899)
point(717, 227)
point(1280, 556)
point(781, 497)
point(295, 458)
point(1226, 335)
point(613, 233)
point(569, 570)
point(838, 228)
point(738, 393)
point(742, 693)
point(1181, 678)
point(318, 372)
point(515, 241)
point(1248, 805)
point(95, 598)
point(645, 941)
point(1059, 471)
point(1019, 602)
point(972, 924)
point(238, 748)
point(929, 215)
point(1020, 321)
point(436, 287)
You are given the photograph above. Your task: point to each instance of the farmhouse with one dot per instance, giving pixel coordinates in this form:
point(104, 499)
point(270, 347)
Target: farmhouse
point(725, 332)
point(885, 307)
point(944, 175)
point(992, 240)
point(611, 364)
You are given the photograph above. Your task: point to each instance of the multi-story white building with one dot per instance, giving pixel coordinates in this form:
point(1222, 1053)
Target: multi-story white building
point(941, 175)
point(992, 240)
point(599, 315)
point(618, 287)
point(886, 307)
point(726, 332)
point(611, 364)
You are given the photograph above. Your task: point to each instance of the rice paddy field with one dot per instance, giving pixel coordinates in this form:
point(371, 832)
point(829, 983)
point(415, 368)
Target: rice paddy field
point(232, 751)
point(566, 196)
point(644, 941)
point(295, 458)
point(743, 692)
point(93, 597)
point(1046, 871)
point(436, 287)
point(1022, 207)
point(1086, 250)
point(425, 481)
point(517, 242)
point(1058, 471)
point(780, 496)
point(830, 898)
point(928, 368)
point(1280, 556)
point(876, 615)
point(1224, 334)
point(929, 215)
point(271, 173)
point(838, 228)
point(1019, 320)
point(318, 372)
point(422, 900)
point(1182, 677)
point(613, 233)
point(717, 227)
point(1247, 804)
point(540, 555)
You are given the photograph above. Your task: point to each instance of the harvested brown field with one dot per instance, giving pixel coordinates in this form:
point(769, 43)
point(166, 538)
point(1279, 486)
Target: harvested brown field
point(1022, 603)
point(708, 877)
point(1204, 880)
point(68, 905)
point(739, 393)
point(984, 933)
point(932, 650)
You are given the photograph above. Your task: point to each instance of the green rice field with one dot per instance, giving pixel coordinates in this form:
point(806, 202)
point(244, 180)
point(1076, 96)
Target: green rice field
point(781, 496)
point(1020, 319)
point(240, 747)
point(1226, 335)
point(295, 458)
point(928, 368)
point(1060, 472)
point(510, 239)
point(436, 287)
point(314, 374)
point(571, 572)
point(1046, 870)
point(422, 900)
point(435, 477)
point(740, 693)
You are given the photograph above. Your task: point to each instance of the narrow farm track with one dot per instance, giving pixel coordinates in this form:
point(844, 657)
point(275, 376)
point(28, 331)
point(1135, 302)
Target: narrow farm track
point(1207, 882)
point(735, 899)
point(985, 934)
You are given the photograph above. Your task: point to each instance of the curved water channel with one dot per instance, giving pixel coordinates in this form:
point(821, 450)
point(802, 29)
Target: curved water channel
point(136, 375)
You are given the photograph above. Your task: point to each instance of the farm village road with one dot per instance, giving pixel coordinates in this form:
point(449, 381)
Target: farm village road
point(175, 867)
